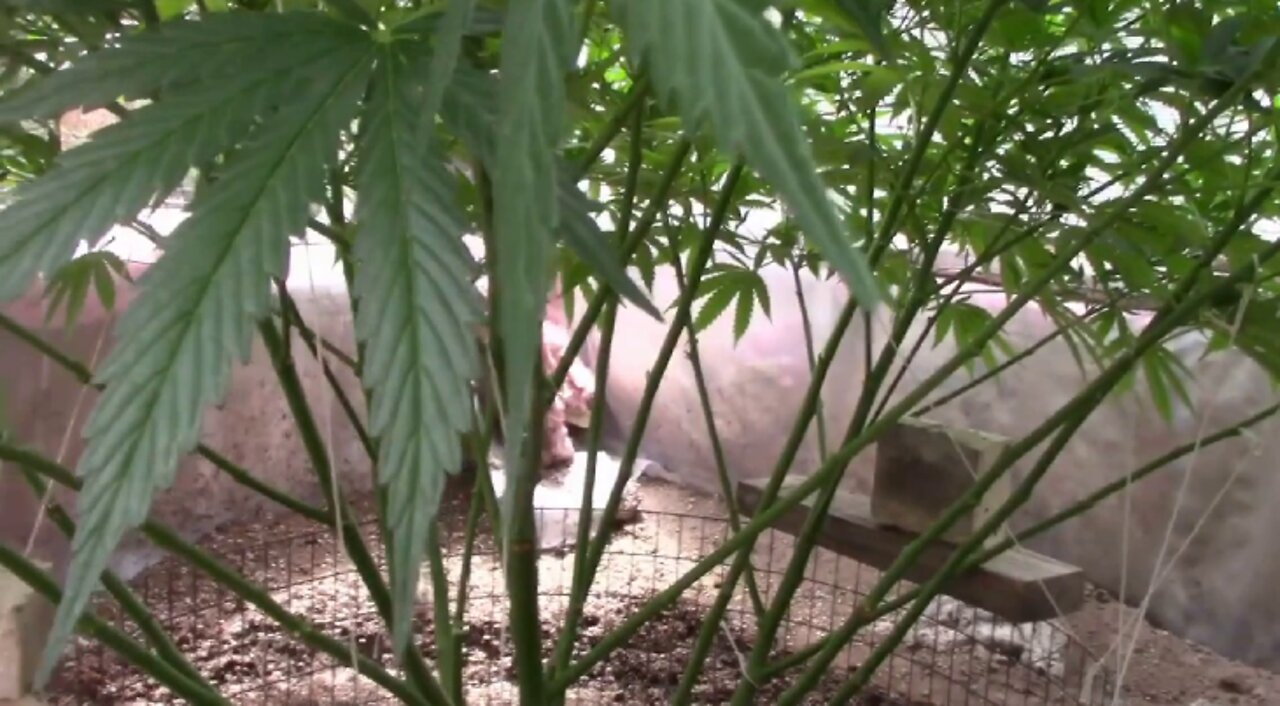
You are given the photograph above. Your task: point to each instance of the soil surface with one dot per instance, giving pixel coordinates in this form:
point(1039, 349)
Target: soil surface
point(243, 652)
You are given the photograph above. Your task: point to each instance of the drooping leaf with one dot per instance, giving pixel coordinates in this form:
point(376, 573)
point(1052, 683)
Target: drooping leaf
point(218, 47)
point(194, 317)
point(417, 309)
point(722, 65)
point(448, 43)
point(114, 175)
point(536, 52)
point(469, 110)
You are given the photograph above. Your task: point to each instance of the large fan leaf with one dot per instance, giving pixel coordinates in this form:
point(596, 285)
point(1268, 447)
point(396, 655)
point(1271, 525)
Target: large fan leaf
point(723, 65)
point(417, 310)
point(215, 48)
point(469, 109)
point(195, 316)
point(116, 174)
point(536, 52)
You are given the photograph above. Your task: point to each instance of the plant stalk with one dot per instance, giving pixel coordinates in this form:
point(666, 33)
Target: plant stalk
point(120, 591)
point(341, 515)
point(168, 540)
point(864, 618)
point(97, 629)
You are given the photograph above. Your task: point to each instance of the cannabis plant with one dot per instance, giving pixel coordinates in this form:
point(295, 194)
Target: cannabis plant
point(592, 141)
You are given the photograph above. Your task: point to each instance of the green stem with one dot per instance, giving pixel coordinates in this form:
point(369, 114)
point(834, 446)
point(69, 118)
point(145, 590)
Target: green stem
point(448, 644)
point(637, 236)
point(133, 607)
point(1003, 366)
point(847, 631)
point(1070, 416)
point(580, 584)
point(717, 448)
point(698, 261)
point(521, 554)
point(633, 100)
point(715, 616)
point(237, 584)
point(291, 314)
point(917, 295)
point(474, 509)
point(770, 511)
point(310, 337)
point(239, 474)
point(889, 223)
point(811, 354)
point(97, 629)
point(341, 515)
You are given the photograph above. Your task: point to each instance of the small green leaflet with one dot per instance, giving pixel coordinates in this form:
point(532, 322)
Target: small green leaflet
point(726, 285)
point(722, 66)
point(70, 285)
point(536, 52)
point(196, 309)
point(417, 309)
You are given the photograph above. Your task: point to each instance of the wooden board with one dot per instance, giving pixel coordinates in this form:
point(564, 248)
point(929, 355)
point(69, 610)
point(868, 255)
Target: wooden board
point(1009, 585)
point(923, 467)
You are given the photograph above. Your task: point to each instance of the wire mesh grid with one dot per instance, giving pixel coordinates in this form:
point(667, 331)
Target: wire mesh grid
point(956, 655)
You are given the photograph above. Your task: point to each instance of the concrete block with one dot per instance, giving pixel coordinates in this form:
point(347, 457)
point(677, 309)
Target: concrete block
point(25, 620)
point(922, 467)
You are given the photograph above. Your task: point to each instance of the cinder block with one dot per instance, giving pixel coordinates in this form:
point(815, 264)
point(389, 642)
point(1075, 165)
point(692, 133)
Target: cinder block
point(923, 467)
point(26, 618)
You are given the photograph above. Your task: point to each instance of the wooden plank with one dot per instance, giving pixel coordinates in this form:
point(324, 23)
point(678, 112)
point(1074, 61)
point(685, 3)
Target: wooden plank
point(923, 467)
point(1009, 585)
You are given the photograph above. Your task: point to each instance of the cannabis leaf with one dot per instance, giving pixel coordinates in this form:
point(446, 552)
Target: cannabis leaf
point(536, 52)
point(218, 47)
point(722, 65)
point(116, 174)
point(448, 43)
point(69, 286)
point(196, 310)
point(417, 309)
point(725, 285)
point(468, 110)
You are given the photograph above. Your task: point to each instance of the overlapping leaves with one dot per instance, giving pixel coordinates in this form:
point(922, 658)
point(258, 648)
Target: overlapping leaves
point(195, 315)
point(470, 111)
point(127, 164)
point(722, 64)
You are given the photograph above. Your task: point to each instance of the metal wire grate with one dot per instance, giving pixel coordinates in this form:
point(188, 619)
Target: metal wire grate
point(956, 655)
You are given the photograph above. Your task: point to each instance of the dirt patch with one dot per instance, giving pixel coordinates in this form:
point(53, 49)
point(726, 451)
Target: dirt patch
point(242, 651)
